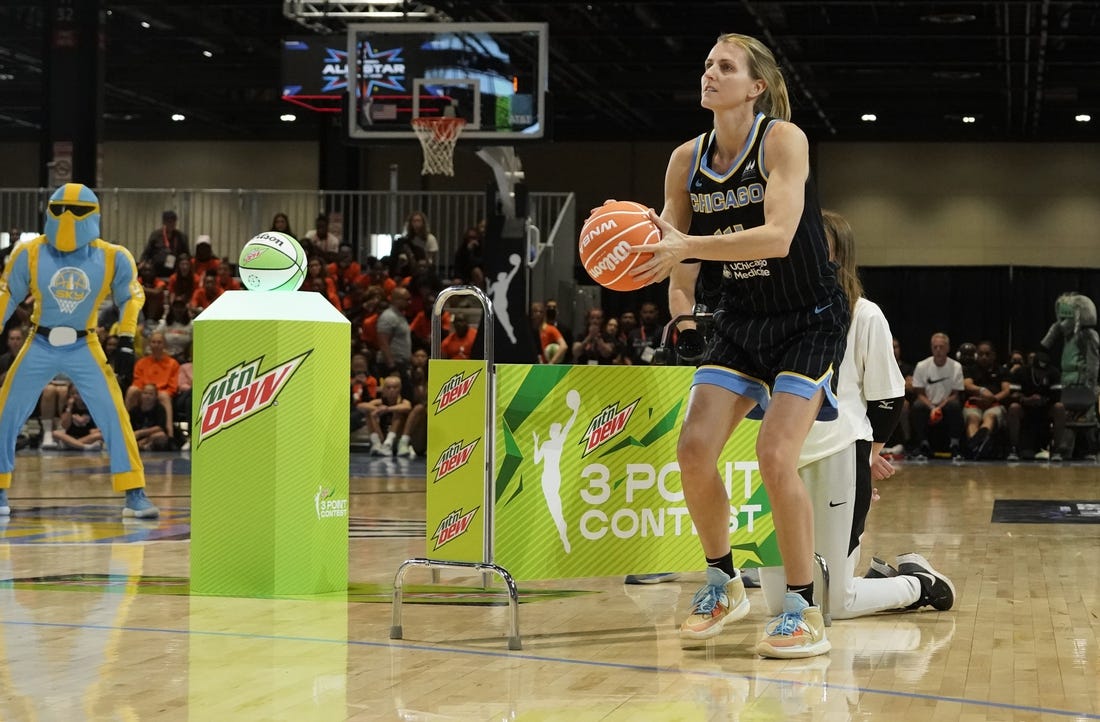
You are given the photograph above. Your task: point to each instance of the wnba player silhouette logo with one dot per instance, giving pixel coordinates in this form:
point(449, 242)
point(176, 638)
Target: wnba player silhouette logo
point(549, 453)
point(498, 291)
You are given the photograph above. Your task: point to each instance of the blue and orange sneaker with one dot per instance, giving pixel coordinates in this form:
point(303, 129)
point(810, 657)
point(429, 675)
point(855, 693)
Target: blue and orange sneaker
point(799, 631)
point(721, 600)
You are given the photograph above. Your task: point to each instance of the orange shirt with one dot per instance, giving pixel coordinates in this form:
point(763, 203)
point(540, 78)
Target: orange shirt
point(348, 275)
point(233, 285)
point(199, 298)
point(164, 374)
point(201, 267)
point(459, 347)
point(548, 334)
point(368, 331)
point(421, 326)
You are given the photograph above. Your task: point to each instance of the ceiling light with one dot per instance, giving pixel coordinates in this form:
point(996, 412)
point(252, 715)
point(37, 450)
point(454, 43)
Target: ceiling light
point(288, 117)
point(968, 118)
point(145, 24)
point(6, 76)
point(956, 74)
point(178, 117)
point(948, 18)
point(868, 117)
point(1082, 117)
point(207, 54)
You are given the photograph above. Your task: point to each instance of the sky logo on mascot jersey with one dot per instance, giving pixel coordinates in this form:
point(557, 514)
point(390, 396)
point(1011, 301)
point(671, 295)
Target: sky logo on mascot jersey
point(607, 425)
point(453, 458)
point(456, 389)
point(453, 526)
point(243, 392)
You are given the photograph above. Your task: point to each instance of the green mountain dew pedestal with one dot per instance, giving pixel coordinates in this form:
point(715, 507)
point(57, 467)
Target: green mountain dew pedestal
point(269, 446)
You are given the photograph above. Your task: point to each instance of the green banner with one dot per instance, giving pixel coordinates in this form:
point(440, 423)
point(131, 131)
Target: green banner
point(587, 483)
point(456, 498)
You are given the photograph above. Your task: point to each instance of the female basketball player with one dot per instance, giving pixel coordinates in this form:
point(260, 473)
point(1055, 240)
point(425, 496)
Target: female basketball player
point(741, 194)
point(840, 459)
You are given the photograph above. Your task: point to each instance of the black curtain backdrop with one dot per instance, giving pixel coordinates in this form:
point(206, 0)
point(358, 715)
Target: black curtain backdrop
point(1012, 306)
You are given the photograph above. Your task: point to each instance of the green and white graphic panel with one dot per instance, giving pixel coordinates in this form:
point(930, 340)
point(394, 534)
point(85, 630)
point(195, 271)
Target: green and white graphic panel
point(587, 482)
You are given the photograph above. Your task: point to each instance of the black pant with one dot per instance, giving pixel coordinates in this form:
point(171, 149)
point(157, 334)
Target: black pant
point(952, 422)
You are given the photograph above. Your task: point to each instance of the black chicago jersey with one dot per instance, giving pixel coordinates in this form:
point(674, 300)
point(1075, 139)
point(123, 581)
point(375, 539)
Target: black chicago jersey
point(734, 201)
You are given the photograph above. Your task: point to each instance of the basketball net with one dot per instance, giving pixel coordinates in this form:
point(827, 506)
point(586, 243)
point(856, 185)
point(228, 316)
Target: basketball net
point(437, 138)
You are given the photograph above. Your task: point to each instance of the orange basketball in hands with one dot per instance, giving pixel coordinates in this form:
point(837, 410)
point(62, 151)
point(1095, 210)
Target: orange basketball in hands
point(607, 234)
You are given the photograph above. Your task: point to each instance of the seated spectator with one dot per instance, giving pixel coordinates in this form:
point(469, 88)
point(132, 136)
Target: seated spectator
point(938, 384)
point(321, 243)
point(459, 343)
point(55, 399)
point(1035, 417)
point(552, 347)
point(416, 426)
point(550, 315)
point(183, 283)
point(159, 369)
point(317, 280)
point(281, 224)
point(149, 422)
point(177, 330)
point(596, 348)
point(203, 297)
point(345, 270)
point(156, 298)
point(611, 332)
point(227, 281)
point(900, 440)
point(204, 259)
point(78, 429)
point(468, 261)
point(387, 415)
point(16, 337)
point(986, 392)
point(373, 305)
point(420, 239)
point(181, 404)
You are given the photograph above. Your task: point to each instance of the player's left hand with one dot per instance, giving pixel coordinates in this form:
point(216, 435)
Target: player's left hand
point(667, 253)
point(881, 468)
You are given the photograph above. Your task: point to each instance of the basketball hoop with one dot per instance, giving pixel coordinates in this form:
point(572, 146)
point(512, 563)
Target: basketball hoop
point(437, 139)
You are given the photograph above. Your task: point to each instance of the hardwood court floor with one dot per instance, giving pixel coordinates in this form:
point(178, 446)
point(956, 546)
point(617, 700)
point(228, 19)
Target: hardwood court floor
point(97, 624)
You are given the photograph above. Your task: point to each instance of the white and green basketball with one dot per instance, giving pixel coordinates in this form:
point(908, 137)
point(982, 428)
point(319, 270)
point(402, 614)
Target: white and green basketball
point(272, 262)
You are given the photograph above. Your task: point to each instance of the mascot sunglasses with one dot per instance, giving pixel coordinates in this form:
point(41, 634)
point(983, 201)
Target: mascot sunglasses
point(79, 211)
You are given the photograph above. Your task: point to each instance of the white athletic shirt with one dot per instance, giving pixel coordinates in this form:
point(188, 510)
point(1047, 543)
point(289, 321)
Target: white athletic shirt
point(867, 371)
point(938, 381)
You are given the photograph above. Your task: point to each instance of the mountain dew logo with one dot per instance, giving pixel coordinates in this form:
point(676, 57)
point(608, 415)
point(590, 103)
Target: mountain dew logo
point(242, 392)
point(606, 426)
point(454, 457)
point(456, 389)
point(453, 526)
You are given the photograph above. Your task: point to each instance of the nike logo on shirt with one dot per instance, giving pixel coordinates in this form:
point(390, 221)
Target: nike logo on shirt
point(837, 503)
point(819, 309)
point(936, 381)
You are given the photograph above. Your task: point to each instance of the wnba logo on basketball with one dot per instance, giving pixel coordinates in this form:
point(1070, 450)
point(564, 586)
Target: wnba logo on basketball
point(243, 392)
point(597, 231)
point(610, 423)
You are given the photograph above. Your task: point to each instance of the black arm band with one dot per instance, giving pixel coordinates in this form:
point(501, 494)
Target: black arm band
point(884, 416)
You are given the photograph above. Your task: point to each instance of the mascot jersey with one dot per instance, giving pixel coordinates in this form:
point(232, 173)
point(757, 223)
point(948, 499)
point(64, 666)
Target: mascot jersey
point(70, 271)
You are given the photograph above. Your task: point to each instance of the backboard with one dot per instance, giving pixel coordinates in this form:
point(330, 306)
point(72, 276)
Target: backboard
point(491, 74)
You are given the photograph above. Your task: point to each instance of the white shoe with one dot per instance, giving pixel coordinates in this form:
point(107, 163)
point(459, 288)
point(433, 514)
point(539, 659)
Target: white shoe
point(48, 442)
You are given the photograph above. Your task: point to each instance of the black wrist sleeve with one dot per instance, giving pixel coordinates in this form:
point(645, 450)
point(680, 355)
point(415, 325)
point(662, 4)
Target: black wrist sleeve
point(884, 416)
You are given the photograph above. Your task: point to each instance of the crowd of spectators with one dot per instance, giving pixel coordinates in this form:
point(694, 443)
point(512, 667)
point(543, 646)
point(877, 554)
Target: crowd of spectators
point(966, 405)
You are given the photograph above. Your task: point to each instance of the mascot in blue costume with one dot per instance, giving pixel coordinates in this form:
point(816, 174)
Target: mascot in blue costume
point(69, 271)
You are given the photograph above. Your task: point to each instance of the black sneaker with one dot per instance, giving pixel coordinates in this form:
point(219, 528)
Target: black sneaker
point(937, 591)
point(978, 443)
point(880, 570)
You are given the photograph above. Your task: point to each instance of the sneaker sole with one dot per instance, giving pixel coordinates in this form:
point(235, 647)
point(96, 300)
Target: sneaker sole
point(651, 578)
point(810, 650)
point(143, 514)
point(736, 613)
point(917, 565)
